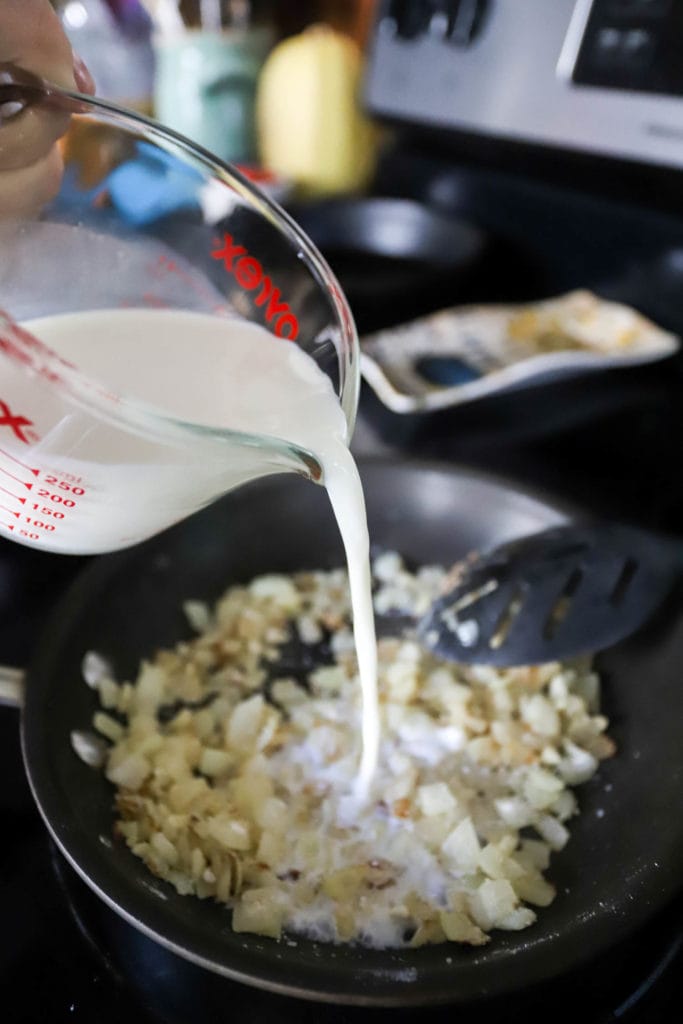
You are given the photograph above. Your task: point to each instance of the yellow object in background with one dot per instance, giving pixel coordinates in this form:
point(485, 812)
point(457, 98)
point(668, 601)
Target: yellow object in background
point(310, 124)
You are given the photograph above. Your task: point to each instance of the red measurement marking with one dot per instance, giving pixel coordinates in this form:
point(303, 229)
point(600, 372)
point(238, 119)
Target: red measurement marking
point(19, 462)
point(15, 496)
point(13, 477)
point(14, 422)
point(10, 511)
point(165, 265)
point(8, 526)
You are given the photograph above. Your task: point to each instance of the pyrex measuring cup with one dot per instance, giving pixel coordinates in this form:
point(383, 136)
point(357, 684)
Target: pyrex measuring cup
point(142, 220)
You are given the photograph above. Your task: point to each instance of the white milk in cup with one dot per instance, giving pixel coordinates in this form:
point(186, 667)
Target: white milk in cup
point(168, 334)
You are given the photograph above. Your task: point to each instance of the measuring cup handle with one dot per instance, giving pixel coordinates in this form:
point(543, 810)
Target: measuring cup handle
point(12, 681)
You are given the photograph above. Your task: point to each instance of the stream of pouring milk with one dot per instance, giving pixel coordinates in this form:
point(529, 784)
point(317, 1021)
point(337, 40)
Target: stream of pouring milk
point(235, 375)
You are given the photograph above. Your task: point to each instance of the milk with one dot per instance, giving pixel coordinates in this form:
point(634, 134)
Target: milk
point(219, 373)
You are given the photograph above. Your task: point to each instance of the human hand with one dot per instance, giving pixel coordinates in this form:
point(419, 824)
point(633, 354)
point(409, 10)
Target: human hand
point(32, 39)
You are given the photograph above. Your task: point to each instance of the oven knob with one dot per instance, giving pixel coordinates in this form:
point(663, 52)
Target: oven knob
point(464, 20)
point(411, 18)
point(456, 21)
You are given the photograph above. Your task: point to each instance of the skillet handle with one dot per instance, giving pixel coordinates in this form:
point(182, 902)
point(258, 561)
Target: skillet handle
point(12, 682)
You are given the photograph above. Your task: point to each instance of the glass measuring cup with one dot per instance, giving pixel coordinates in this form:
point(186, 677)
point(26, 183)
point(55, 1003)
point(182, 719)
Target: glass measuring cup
point(141, 219)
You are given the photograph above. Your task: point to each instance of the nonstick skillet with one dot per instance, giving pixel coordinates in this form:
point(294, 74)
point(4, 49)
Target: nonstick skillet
point(625, 857)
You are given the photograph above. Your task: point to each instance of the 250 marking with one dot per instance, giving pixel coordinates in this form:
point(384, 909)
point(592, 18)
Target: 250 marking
point(63, 485)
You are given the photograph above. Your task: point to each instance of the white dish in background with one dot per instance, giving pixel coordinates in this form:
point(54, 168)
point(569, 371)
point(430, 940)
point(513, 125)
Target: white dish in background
point(506, 347)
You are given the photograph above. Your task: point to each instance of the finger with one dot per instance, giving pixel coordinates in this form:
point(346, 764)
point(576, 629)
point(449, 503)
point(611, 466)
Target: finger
point(32, 38)
point(29, 134)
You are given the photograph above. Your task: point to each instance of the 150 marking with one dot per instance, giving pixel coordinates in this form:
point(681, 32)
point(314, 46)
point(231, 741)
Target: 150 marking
point(45, 511)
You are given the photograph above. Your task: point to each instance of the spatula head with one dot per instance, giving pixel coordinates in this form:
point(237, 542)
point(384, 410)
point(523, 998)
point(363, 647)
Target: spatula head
point(552, 595)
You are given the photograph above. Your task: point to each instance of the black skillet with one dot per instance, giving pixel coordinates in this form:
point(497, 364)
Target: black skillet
point(623, 862)
point(394, 258)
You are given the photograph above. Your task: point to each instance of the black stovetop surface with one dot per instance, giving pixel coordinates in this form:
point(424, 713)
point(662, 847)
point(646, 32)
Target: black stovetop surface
point(612, 444)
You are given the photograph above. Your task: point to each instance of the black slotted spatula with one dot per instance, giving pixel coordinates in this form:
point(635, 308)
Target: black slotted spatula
point(566, 591)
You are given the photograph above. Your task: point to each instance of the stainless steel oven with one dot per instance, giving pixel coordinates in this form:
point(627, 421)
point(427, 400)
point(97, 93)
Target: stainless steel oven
point(601, 76)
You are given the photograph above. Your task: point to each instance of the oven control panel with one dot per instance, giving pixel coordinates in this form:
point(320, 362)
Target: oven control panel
point(633, 44)
point(604, 76)
point(455, 21)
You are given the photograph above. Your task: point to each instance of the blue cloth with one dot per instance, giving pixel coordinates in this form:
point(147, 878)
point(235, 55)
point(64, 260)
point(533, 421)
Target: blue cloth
point(152, 185)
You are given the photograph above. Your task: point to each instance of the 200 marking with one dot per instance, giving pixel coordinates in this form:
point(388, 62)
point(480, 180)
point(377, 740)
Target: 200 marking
point(67, 502)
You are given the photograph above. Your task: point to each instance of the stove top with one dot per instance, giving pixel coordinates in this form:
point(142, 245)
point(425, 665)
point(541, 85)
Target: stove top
point(611, 444)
